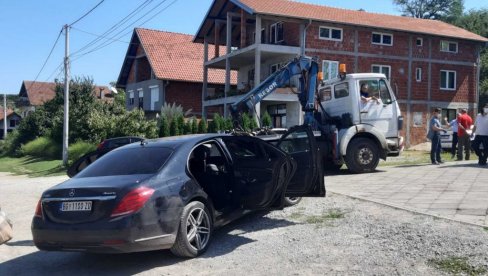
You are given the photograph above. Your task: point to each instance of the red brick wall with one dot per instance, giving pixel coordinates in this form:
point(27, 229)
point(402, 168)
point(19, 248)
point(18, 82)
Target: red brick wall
point(186, 94)
point(313, 40)
point(291, 34)
point(143, 69)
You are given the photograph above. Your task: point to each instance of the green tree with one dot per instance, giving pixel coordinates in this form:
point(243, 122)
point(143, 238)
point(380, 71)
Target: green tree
point(194, 125)
point(266, 119)
point(180, 122)
point(163, 127)
point(246, 122)
point(188, 127)
point(217, 122)
point(228, 124)
point(173, 128)
point(431, 9)
point(202, 126)
point(253, 124)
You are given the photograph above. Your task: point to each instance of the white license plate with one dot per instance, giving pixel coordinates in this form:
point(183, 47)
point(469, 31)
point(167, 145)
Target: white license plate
point(71, 206)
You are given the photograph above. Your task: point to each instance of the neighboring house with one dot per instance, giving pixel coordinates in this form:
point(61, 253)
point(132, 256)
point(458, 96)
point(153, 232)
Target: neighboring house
point(164, 67)
point(13, 120)
point(429, 63)
point(34, 94)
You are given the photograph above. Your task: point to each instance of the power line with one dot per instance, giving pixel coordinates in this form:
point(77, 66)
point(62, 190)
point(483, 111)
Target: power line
point(48, 56)
point(115, 26)
point(83, 16)
point(108, 43)
point(100, 36)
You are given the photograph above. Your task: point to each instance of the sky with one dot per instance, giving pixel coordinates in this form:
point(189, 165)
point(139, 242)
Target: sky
point(29, 29)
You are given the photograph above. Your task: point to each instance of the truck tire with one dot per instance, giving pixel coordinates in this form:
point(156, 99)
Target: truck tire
point(362, 155)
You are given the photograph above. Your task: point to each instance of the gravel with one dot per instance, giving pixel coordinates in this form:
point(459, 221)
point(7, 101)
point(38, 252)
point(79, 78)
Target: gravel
point(335, 236)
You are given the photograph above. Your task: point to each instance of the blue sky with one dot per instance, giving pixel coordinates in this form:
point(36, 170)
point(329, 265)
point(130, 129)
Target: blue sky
point(30, 27)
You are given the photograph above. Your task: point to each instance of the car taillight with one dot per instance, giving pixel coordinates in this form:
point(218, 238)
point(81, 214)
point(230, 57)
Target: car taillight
point(133, 201)
point(38, 209)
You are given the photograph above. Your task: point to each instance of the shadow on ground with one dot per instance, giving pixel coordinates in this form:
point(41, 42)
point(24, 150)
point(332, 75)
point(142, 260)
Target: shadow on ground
point(225, 240)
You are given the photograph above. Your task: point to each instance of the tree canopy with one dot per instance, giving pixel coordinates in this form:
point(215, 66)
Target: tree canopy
point(431, 9)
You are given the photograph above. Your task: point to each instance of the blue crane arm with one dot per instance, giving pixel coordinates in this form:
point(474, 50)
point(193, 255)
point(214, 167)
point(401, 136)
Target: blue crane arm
point(304, 66)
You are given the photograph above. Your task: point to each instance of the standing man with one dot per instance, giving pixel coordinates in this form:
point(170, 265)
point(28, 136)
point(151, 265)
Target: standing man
point(454, 127)
point(481, 130)
point(464, 124)
point(434, 136)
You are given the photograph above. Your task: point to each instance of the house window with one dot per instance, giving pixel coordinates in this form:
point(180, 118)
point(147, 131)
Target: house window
point(382, 39)
point(448, 80)
point(278, 114)
point(275, 67)
point(263, 36)
point(420, 41)
point(330, 69)
point(13, 123)
point(382, 69)
point(141, 98)
point(250, 78)
point(329, 33)
point(154, 96)
point(449, 46)
point(131, 97)
point(276, 34)
point(418, 74)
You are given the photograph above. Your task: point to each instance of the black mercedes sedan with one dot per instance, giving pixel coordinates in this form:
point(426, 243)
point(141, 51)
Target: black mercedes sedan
point(171, 193)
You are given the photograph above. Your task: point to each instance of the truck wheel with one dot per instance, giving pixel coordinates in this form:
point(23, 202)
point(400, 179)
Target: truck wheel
point(362, 156)
point(290, 201)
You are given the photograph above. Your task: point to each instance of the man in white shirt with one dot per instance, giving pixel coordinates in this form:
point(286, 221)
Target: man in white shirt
point(481, 130)
point(454, 127)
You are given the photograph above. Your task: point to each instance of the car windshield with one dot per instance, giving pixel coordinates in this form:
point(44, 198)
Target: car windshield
point(139, 160)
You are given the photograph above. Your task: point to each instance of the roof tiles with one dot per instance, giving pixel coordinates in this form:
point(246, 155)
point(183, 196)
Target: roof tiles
point(174, 56)
point(359, 18)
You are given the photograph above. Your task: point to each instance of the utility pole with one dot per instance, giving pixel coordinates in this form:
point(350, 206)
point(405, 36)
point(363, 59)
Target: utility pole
point(66, 98)
point(4, 116)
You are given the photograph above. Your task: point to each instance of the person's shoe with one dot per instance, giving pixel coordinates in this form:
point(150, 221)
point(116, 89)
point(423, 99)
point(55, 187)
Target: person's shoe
point(459, 159)
point(441, 162)
point(435, 163)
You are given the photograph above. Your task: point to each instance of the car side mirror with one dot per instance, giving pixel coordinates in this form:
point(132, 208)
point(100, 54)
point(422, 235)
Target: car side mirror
point(213, 169)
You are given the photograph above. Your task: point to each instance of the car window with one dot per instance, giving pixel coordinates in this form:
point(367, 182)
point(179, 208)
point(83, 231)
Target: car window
point(118, 142)
point(385, 95)
point(341, 90)
point(140, 160)
point(295, 142)
point(244, 149)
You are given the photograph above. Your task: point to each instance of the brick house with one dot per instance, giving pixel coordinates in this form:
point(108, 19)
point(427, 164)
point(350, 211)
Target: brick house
point(164, 67)
point(429, 63)
point(34, 94)
point(13, 120)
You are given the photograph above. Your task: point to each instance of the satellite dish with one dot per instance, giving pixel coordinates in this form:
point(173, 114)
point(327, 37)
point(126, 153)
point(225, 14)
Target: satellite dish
point(113, 89)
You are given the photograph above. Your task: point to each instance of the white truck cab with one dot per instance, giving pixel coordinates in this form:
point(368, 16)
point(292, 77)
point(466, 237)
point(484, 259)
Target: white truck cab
point(367, 128)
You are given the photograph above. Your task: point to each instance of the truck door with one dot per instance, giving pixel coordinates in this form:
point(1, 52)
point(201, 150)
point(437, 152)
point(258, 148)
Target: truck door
point(299, 143)
point(379, 113)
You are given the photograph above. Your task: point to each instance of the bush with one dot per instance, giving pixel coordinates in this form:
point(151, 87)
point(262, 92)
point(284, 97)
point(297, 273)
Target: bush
point(79, 149)
point(8, 146)
point(266, 119)
point(202, 126)
point(194, 126)
point(163, 127)
point(42, 147)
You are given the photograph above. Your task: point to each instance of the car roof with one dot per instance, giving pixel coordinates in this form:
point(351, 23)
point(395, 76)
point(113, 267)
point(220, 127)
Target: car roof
point(175, 142)
point(123, 137)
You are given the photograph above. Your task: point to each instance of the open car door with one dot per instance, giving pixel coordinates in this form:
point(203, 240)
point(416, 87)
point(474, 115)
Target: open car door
point(83, 162)
point(300, 144)
point(260, 172)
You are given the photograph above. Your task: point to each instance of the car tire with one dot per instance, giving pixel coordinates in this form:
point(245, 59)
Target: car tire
point(362, 155)
point(195, 231)
point(290, 201)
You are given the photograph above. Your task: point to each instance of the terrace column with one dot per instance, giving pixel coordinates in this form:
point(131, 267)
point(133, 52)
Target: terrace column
point(227, 60)
point(205, 75)
point(217, 38)
point(243, 29)
point(257, 62)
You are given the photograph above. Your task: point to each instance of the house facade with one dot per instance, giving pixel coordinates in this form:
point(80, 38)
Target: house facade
point(166, 67)
point(13, 121)
point(34, 94)
point(429, 63)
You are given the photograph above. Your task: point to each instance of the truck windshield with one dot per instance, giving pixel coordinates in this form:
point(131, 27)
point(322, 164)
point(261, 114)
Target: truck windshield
point(379, 89)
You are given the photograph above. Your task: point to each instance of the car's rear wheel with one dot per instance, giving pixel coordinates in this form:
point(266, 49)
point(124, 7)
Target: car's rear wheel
point(194, 232)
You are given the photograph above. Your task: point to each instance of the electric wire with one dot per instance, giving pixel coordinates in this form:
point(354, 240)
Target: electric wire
point(83, 16)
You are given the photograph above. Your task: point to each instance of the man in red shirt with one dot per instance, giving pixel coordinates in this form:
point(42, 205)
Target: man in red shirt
point(465, 122)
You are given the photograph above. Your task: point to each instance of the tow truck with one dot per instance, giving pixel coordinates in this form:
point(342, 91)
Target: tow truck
point(348, 129)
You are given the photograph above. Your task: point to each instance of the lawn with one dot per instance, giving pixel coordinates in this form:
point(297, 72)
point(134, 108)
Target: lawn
point(413, 157)
point(32, 167)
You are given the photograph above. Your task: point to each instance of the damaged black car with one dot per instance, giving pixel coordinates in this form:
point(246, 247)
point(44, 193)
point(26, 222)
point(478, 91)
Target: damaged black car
point(171, 193)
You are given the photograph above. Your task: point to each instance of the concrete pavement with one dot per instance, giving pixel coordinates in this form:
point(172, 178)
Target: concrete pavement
point(454, 190)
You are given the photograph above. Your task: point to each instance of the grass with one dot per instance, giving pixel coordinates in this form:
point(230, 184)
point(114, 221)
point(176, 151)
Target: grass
point(413, 157)
point(456, 266)
point(32, 167)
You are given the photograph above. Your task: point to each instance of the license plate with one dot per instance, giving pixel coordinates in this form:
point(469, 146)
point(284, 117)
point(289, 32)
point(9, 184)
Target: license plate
point(72, 206)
